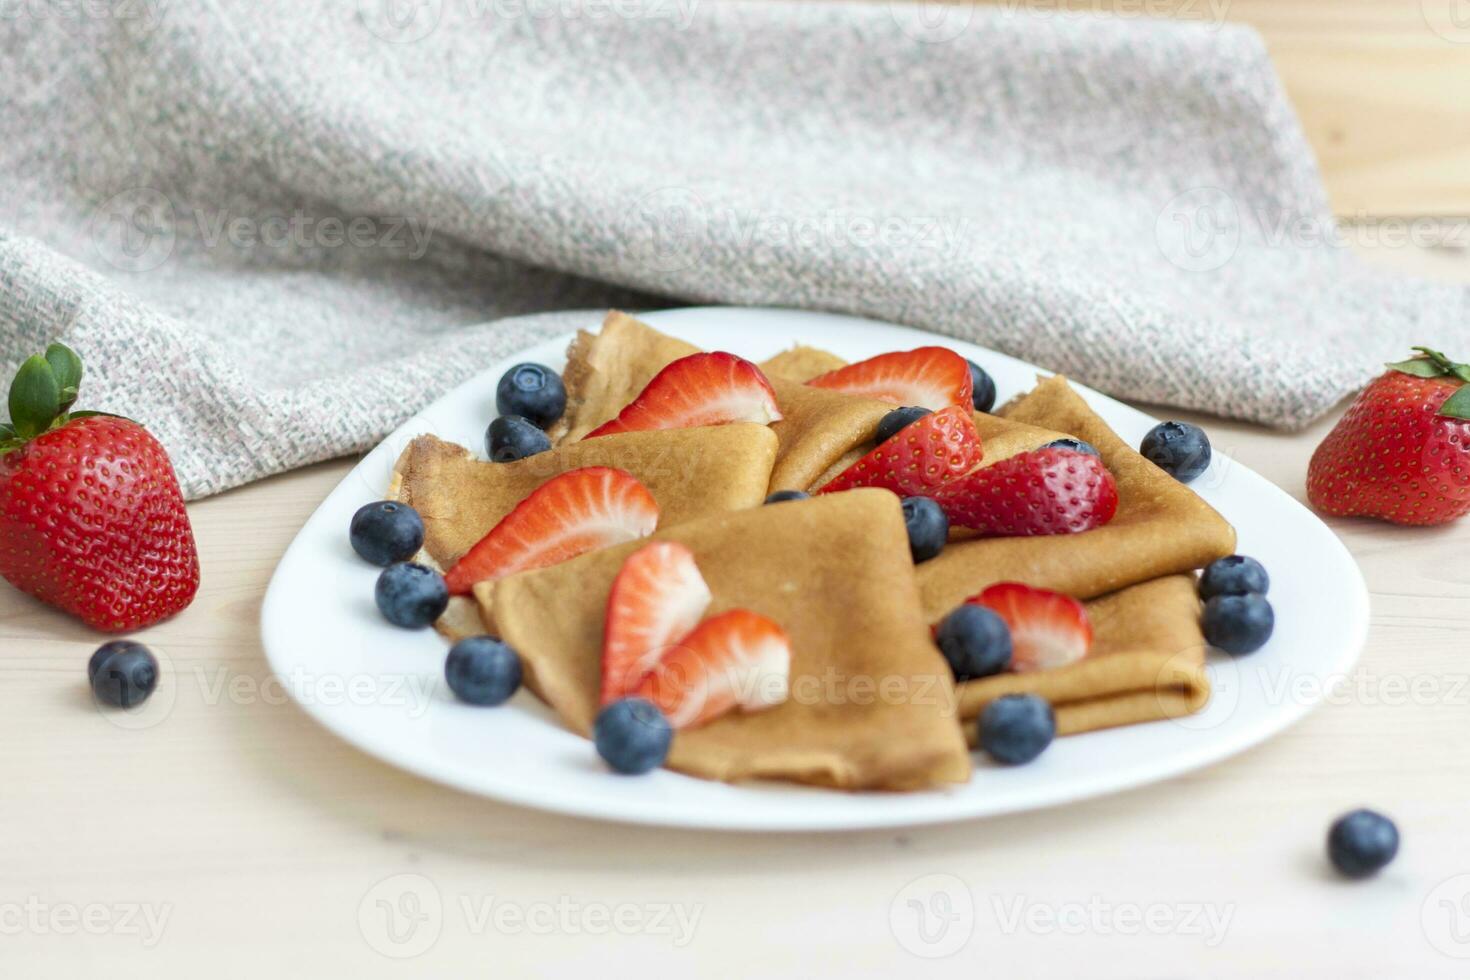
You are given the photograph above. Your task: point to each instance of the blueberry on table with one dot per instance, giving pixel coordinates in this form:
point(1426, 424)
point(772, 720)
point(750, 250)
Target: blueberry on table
point(1238, 623)
point(1178, 448)
point(386, 531)
point(1361, 843)
point(927, 525)
point(780, 496)
point(983, 394)
point(532, 391)
point(482, 670)
point(122, 673)
point(889, 424)
point(411, 595)
point(1235, 575)
point(1075, 445)
point(1017, 728)
point(512, 437)
point(975, 641)
point(632, 736)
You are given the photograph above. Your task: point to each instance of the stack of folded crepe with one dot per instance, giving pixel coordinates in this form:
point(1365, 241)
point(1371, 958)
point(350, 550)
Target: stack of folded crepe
point(835, 571)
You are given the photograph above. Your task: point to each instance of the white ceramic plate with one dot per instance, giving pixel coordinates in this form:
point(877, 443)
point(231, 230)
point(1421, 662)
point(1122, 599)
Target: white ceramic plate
point(381, 688)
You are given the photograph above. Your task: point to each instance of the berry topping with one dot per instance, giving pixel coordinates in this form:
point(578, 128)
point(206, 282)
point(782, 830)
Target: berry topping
point(386, 531)
point(701, 389)
point(889, 424)
point(632, 736)
point(532, 391)
point(1076, 445)
point(568, 515)
point(1048, 629)
point(1361, 843)
point(512, 437)
point(1178, 448)
point(122, 673)
point(1016, 728)
point(411, 595)
point(975, 641)
point(927, 526)
point(982, 388)
point(929, 377)
point(482, 670)
point(781, 496)
point(736, 659)
point(1238, 623)
point(656, 599)
point(1235, 575)
point(919, 459)
point(1046, 491)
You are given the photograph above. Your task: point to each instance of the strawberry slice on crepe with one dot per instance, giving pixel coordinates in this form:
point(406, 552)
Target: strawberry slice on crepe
point(918, 459)
point(701, 389)
point(1048, 629)
point(657, 598)
point(1045, 491)
point(576, 512)
point(927, 377)
point(738, 659)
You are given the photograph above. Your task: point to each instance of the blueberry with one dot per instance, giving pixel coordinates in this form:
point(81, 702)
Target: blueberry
point(1017, 728)
point(122, 673)
point(1178, 448)
point(983, 395)
point(482, 670)
point(411, 595)
point(889, 424)
point(1236, 575)
point(975, 641)
point(783, 495)
point(632, 736)
point(1362, 842)
point(1238, 623)
point(1076, 445)
point(386, 531)
point(532, 391)
point(927, 526)
point(511, 437)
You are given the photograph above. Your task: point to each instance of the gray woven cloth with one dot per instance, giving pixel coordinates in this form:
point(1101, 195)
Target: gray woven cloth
point(275, 228)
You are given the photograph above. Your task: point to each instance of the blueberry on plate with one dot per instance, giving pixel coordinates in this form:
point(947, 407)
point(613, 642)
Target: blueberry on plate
point(1361, 843)
point(632, 736)
point(781, 496)
point(482, 670)
point(1238, 623)
point(411, 595)
point(122, 673)
point(386, 531)
point(889, 424)
point(927, 525)
point(1178, 448)
point(983, 396)
point(975, 641)
point(512, 437)
point(1017, 728)
point(1235, 575)
point(1076, 445)
point(532, 391)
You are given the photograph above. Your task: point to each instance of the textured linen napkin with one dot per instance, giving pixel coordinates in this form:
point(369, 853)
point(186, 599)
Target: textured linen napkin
point(275, 228)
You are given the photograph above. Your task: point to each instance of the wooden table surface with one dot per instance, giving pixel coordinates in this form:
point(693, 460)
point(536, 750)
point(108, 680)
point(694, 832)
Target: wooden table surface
point(230, 836)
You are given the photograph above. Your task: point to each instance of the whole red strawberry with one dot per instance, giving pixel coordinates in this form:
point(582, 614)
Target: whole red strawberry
point(1402, 451)
point(91, 517)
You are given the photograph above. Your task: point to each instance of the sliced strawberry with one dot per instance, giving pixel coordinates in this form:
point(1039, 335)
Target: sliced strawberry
point(918, 459)
point(931, 377)
point(701, 389)
point(1048, 629)
point(657, 598)
point(1046, 491)
point(736, 659)
point(576, 512)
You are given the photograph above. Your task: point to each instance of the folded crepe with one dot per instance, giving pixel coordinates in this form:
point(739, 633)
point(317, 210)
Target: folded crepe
point(871, 703)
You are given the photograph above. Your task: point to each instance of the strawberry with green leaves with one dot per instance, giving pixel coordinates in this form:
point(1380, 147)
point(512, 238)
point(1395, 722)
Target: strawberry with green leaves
point(1402, 451)
point(91, 517)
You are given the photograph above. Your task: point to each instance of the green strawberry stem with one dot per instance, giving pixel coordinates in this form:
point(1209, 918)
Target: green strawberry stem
point(41, 396)
point(1432, 364)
